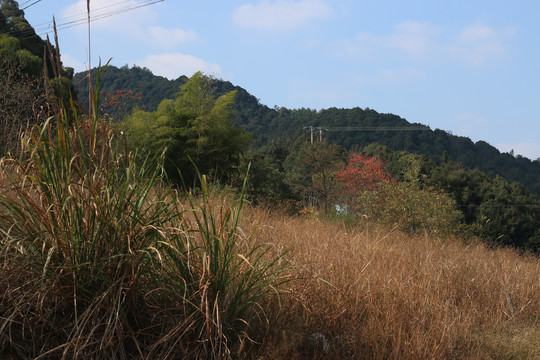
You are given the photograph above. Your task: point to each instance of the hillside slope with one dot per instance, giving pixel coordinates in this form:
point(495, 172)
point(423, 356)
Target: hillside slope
point(266, 124)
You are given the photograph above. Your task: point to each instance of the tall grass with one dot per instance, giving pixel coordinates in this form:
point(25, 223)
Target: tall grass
point(100, 259)
point(377, 293)
point(218, 275)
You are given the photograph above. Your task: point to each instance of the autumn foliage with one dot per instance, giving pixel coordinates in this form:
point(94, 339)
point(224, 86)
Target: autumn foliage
point(118, 104)
point(371, 193)
point(363, 173)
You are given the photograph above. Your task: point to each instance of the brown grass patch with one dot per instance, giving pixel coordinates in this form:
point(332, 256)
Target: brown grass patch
point(381, 294)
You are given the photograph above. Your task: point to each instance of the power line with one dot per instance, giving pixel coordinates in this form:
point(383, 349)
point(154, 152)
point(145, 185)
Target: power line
point(362, 128)
point(84, 14)
point(34, 3)
point(81, 19)
point(44, 28)
point(378, 128)
point(24, 3)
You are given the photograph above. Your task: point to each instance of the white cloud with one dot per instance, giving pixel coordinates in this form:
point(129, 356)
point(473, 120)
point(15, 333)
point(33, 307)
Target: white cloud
point(474, 44)
point(474, 33)
point(121, 16)
point(478, 43)
point(280, 14)
point(70, 61)
point(528, 148)
point(362, 46)
point(415, 38)
point(173, 65)
point(169, 38)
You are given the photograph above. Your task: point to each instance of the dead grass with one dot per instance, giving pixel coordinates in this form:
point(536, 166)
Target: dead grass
point(377, 293)
point(381, 294)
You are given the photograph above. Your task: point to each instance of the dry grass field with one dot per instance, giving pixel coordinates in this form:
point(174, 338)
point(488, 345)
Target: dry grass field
point(374, 293)
point(368, 293)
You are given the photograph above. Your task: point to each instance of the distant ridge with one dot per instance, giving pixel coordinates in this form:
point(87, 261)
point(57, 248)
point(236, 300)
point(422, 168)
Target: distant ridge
point(266, 124)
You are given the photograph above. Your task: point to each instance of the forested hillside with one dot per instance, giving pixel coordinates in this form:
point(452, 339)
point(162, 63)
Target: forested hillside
point(345, 127)
point(26, 98)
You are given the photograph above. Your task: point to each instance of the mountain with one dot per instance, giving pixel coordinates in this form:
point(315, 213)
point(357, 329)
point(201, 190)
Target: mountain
point(351, 128)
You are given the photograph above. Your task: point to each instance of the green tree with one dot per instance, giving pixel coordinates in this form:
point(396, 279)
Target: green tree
point(498, 212)
point(16, 57)
point(509, 215)
point(267, 124)
point(13, 23)
point(29, 90)
point(311, 171)
point(194, 127)
point(409, 203)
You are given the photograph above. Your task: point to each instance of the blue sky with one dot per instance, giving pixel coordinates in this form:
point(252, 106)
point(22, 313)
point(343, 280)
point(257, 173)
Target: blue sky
point(471, 67)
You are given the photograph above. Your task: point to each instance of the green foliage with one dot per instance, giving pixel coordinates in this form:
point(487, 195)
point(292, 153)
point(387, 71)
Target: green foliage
point(28, 89)
point(412, 208)
point(267, 124)
point(32, 47)
point(499, 212)
point(493, 209)
point(436, 155)
point(266, 183)
point(152, 89)
point(407, 204)
point(311, 172)
point(12, 54)
point(101, 261)
point(194, 127)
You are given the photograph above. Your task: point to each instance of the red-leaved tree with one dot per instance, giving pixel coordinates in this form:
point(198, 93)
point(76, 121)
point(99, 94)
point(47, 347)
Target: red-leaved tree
point(118, 104)
point(363, 173)
point(371, 192)
point(366, 185)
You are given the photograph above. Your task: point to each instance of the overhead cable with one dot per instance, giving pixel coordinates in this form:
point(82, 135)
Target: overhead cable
point(44, 28)
point(34, 3)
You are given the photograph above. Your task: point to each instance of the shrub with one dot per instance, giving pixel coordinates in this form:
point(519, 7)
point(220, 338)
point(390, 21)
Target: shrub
point(375, 196)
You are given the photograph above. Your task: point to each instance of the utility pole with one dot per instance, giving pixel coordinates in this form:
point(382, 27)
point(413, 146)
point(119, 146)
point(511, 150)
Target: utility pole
point(311, 131)
point(366, 128)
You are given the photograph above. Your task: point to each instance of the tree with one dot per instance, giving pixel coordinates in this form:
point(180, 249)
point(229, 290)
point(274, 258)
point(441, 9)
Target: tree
point(409, 204)
point(16, 57)
point(363, 173)
point(311, 171)
point(29, 90)
point(194, 127)
point(13, 23)
point(363, 181)
point(497, 211)
point(509, 215)
point(23, 103)
point(117, 105)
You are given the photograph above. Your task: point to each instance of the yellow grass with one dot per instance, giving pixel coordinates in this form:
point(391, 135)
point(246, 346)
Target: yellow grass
point(375, 293)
